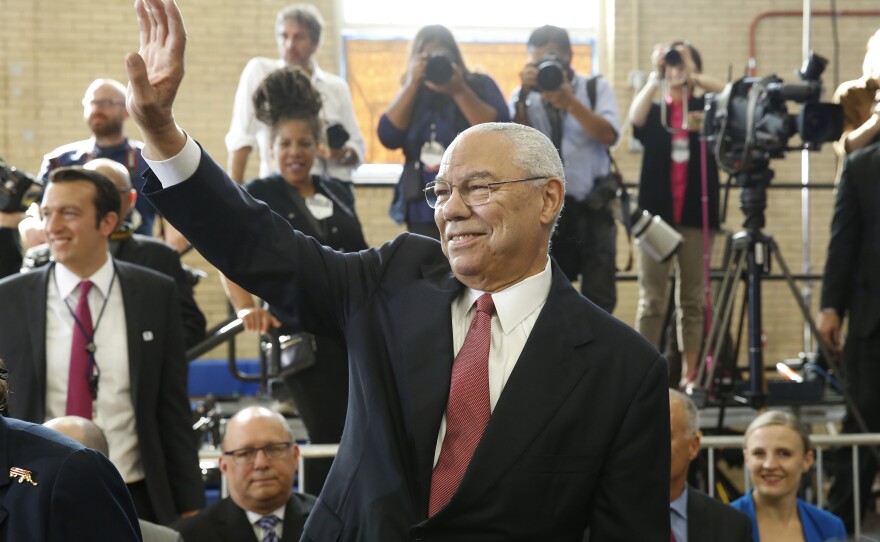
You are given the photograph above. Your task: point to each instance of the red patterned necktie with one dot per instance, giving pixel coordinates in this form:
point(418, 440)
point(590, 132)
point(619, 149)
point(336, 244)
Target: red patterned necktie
point(79, 395)
point(467, 412)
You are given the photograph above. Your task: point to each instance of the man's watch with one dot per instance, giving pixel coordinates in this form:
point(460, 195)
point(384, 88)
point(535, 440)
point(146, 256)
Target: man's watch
point(347, 156)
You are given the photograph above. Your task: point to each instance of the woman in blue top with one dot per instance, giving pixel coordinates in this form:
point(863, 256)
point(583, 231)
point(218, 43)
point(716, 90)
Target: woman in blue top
point(440, 98)
point(777, 453)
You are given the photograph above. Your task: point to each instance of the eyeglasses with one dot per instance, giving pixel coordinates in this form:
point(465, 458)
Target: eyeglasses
point(246, 456)
point(472, 194)
point(105, 104)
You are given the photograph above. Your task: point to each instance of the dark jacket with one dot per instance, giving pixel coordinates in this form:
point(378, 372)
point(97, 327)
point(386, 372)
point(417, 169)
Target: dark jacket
point(225, 521)
point(579, 436)
point(166, 441)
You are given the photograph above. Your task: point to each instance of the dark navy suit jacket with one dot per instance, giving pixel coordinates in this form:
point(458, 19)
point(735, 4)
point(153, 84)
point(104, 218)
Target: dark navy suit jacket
point(77, 495)
point(579, 436)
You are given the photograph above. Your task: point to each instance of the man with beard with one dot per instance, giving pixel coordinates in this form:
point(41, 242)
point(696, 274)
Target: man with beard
point(104, 111)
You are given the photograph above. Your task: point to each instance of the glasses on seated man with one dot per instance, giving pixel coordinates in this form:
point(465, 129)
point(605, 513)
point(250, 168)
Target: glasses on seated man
point(246, 456)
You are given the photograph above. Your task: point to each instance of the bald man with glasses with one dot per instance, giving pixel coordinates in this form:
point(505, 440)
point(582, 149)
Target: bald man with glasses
point(259, 462)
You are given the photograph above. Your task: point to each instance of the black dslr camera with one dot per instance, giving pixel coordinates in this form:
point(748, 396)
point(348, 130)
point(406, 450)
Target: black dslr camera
point(552, 72)
point(337, 136)
point(439, 67)
point(15, 193)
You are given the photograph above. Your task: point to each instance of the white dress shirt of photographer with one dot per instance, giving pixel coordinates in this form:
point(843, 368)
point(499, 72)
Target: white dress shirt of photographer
point(298, 32)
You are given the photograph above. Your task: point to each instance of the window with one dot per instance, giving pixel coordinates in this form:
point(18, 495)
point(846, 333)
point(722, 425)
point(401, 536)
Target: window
point(491, 36)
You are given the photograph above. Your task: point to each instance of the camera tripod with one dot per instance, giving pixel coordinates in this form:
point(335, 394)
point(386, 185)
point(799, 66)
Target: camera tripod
point(751, 255)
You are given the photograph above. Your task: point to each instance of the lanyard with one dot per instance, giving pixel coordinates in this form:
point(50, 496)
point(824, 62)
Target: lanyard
point(93, 371)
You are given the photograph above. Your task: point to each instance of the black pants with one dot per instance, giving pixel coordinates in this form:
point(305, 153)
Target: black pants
point(584, 245)
point(861, 363)
point(321, 396)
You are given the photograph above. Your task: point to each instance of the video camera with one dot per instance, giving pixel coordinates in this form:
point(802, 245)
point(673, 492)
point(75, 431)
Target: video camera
point(15, 193)
point(749, 122)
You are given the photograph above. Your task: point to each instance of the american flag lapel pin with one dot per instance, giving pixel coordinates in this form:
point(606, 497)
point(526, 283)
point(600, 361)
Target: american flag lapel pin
point(22, 475)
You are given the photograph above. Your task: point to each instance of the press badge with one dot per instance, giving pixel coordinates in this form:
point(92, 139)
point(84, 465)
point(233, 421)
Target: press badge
point(432, 153)
point(320, 206)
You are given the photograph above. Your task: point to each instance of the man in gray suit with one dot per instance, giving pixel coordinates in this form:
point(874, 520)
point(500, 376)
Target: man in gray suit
point(87, 433)
point(693, 515)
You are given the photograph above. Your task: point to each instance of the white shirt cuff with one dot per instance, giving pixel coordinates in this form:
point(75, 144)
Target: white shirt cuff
point(178, 168)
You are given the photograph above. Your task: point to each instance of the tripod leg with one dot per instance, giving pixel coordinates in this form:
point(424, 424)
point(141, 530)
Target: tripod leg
point(721, 314)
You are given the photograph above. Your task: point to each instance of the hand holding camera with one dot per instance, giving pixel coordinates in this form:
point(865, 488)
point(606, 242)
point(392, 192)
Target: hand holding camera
point(551, 76)
point(442, 74)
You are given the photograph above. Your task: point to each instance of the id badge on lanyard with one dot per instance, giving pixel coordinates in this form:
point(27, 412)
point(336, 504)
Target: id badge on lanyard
point(432, 152)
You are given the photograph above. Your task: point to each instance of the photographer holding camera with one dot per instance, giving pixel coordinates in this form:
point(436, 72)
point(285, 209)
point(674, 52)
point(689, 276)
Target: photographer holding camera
point(18, 191)
point(439, 99)
point(670, 186)
point(298, 30)
point(582, 124)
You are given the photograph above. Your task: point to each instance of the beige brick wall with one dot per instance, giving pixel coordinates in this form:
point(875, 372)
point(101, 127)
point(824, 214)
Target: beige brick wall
point(51, 49)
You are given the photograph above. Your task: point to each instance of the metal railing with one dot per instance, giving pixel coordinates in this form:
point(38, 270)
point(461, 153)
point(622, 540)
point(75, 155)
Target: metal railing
point(820, 443)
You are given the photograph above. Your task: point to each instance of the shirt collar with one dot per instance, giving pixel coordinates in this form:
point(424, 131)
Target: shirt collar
point(67, 280)
point(680, 504)
point(516, 303)
point(254, 517)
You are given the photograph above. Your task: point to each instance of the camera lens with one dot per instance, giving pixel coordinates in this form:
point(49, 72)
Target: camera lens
point(672, 57)
point(551, 73)
point(439, 68)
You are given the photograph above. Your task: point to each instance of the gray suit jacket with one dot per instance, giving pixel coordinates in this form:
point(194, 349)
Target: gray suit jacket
point(157, 533)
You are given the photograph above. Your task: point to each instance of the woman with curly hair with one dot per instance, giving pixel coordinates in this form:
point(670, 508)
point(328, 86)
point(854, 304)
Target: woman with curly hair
point(323, 208)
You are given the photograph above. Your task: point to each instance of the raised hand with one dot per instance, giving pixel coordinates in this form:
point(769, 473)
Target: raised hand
point(155, 74)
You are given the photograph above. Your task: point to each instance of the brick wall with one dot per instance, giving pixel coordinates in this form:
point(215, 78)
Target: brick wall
point(51, 49)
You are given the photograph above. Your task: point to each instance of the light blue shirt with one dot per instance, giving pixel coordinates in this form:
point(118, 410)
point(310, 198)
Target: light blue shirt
point(583, 157)
point(678, 516)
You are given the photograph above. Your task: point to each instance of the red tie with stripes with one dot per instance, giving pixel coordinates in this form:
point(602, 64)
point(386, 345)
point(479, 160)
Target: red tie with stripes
point(467, 412)
point(79, 395)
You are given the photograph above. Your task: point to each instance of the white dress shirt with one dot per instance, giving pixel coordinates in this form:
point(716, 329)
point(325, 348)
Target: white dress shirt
point(337, 108)
point(516, 311)
point(114, 411)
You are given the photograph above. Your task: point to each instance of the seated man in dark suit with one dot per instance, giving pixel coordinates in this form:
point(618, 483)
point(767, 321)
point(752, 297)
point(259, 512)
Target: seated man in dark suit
point(695, 516)
point(87, 433)
point(131, 247)
point(57, 490)
point(259, 462)
point(488, 399)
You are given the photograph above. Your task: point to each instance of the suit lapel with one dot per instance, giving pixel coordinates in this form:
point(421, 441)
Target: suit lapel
point(549, 363)
point(294, 521)
point(234, 524)
point(422, 324)
point(134, 302)
point(36, 318)
point(697, 517)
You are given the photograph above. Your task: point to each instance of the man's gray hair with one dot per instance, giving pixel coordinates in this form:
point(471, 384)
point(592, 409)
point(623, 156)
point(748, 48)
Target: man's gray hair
point(535, 154)
point(691, 416)
point(305, 14)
